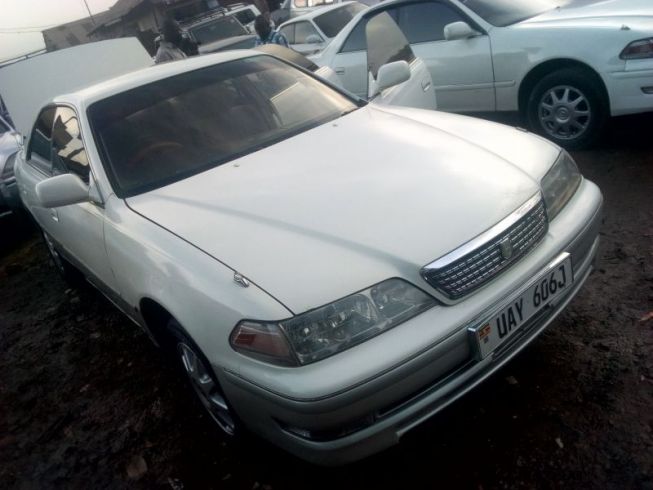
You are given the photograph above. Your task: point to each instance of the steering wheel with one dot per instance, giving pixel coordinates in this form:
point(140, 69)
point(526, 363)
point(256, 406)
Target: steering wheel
point(159, 146)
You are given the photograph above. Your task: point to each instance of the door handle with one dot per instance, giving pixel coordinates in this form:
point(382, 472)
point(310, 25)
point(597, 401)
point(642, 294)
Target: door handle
point(54, 215)
point(340, 71)
point(426, 84)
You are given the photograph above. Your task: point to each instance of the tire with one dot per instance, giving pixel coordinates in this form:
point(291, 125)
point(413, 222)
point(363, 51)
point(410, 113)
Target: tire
point(197, 371)
point(68, 272)
point(568, 107)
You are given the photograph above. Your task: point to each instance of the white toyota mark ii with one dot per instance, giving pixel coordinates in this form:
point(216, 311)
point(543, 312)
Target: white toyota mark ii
point(328, 272)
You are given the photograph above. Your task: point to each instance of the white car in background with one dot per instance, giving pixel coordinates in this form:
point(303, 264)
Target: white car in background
point(309, 33)
point(293, 8)
point(566, 65)
point(328, 273)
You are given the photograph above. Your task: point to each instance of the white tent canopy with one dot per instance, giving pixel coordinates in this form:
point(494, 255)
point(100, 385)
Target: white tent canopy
point(26, 86)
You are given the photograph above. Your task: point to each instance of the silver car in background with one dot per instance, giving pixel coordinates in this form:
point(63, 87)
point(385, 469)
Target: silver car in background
point(9, 146)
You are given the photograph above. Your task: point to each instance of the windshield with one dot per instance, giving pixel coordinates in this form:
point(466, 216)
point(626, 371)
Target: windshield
point(502, 13)
point(332, 22)
point(216, 30)
point(170, 129)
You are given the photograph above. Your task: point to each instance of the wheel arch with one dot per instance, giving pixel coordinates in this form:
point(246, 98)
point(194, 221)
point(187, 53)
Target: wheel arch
point(156, 318)
point(549, 66)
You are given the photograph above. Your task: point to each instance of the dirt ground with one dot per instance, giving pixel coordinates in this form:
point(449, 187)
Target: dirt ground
point(87, 402)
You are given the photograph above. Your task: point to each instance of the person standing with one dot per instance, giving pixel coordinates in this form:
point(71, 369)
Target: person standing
point(170, 46)
point(266, 35)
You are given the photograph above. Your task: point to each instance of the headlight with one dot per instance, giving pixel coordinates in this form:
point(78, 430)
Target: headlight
point(638, 50)
point(322, 332)
point(560, 183)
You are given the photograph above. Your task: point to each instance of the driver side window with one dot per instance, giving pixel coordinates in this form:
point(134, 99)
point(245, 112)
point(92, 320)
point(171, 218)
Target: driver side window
point(39, 153)
point(68, 152)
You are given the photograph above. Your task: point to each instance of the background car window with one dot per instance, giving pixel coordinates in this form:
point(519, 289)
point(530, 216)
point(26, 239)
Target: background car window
point(289, 33)
point(356, 40)
point(303, 30)
point(331, 23)
point(40, 145)
point(68, 152)
point(424, 22)
point(218, 29)
point(3, 127)
point(386, 43)
point(245, 16)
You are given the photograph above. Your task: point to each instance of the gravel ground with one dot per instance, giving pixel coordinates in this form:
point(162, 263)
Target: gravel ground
point(87, 402)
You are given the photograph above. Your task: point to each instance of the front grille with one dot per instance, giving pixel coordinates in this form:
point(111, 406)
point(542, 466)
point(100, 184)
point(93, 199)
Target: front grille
point(475, 268)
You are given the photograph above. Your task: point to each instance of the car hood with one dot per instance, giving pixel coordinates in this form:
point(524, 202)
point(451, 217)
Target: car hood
point(586, 13)
point(373, 195)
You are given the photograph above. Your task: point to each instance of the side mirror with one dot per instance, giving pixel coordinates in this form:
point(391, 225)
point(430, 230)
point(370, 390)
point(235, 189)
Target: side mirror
point(459, 30)
point(392, 74)
point(61, 190)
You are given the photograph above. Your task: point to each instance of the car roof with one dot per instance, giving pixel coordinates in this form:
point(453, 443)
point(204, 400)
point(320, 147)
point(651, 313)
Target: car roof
point(148, 75)
point(317, 12)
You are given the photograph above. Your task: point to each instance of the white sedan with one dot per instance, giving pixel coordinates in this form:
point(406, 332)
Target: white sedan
point(566, 65)
point(328, 273)
point(309, 33)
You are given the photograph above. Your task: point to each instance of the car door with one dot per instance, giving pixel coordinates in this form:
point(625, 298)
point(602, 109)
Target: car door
point(57, 147)
point(387, 44)
point(79, 228)
point(350, 63)
point(38, 167)
point(461, 69)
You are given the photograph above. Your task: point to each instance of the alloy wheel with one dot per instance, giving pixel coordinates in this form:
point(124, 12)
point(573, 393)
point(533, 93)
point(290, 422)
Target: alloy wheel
point(206, 388)
point(564, 112)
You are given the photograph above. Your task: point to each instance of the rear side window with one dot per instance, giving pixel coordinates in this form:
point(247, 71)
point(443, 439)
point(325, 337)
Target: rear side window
point(386, 43)
point(331, 23)
point(69, 154)
point(39, 152)
point(424, 22)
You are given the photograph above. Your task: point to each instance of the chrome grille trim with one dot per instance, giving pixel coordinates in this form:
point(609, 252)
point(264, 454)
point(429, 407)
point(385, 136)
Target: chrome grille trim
point(479, 260)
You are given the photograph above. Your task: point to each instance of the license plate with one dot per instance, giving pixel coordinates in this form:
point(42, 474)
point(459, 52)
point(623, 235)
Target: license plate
point(503, 324)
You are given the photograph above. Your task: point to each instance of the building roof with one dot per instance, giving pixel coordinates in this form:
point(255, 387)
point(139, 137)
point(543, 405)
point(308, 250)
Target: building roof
point(123, 7)
point(99, 18)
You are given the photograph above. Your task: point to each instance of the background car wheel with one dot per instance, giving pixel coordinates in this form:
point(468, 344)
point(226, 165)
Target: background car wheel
point(568, 107)
point(198, 372)
point(68, 271)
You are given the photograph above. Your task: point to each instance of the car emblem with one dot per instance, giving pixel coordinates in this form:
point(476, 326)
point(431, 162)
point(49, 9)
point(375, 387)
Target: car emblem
point(241, 280)
point(505, 246)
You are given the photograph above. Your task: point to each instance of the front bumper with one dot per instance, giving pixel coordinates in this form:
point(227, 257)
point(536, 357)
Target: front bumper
point(630, 89)
point(366, 417)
